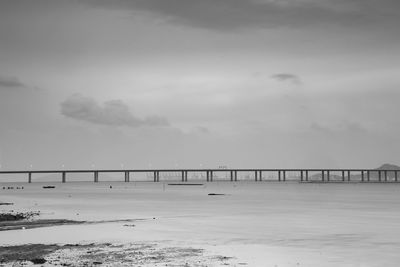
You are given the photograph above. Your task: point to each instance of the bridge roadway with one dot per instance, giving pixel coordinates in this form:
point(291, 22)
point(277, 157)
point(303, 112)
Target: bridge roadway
point(303, 175)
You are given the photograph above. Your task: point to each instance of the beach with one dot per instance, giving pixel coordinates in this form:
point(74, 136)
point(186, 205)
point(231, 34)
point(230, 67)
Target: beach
point(209, 224)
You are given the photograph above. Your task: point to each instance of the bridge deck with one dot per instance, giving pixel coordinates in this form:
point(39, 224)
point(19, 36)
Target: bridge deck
point(302, 175)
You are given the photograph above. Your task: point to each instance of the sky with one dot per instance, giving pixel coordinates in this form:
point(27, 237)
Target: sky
point(199, 83)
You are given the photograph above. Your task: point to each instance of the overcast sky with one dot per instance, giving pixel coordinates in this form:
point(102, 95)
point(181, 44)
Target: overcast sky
point(190, 83)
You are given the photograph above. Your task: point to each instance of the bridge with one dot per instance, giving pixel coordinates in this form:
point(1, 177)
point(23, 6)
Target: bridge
point(257, 175)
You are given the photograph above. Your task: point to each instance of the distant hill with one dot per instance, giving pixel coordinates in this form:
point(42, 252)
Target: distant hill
point(374, 175)
point(388, 166)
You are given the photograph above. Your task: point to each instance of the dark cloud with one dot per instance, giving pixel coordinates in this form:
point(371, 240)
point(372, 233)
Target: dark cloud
point(286, 77)
point(10, 82)
point(234, 14)
point(113, 112)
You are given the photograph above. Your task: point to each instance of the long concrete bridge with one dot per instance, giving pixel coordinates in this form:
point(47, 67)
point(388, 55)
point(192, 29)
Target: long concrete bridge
point(258, 175)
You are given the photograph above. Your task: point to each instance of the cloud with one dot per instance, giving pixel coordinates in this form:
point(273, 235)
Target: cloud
point(10, 82)
point(286, 77)
point(113, 112)
point(234, 14)
point(345, 127)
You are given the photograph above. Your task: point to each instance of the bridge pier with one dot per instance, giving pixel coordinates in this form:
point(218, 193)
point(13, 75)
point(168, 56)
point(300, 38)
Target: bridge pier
point(255, 176)
point(362, 176)
point(328, 176)
point(126, 177)
point(395, 176)
point(231, 176)
point(279, 176)
point(260, 177)
point(323, 176)
point(385, 173)
point(64, 178)
point(348, 176)
point(236, 176)
point(96, 176)
point(380, 176)
point(368, 176)
point(307, 176)
point(29, 177)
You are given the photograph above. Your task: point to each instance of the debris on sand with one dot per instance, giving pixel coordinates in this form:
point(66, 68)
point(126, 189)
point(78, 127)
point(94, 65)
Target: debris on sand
point(6, 203)
point(34, 253)
point(49, 187)
point(133, 254)
point(38, 261)
point(17, 216)
point(216, 194)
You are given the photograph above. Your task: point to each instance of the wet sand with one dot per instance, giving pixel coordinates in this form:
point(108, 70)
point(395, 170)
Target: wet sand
point(221, 223)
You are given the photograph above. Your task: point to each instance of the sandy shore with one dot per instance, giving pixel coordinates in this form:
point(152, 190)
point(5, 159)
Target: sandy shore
point(253, 224)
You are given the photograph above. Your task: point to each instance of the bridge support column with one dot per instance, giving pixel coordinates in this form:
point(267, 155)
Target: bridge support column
point(182, 176)
point(279, 176)
point(307, 176)
point(368, 176)
point(284, 175)
point(231, 176)
point(236, 176)
point(211, 176)
point(301, 176)
point(323, 176)
point(362, 176)
point(328, 175)
point(96, 176)
point(348, 176)
point(63, 177)
point(342, 176)
point(255, 176)
point(380, 176)
point(186, 176)
point(385, 173)
point(395, 176)
point(29, 177)
point(260, 177)
point(126, 177)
